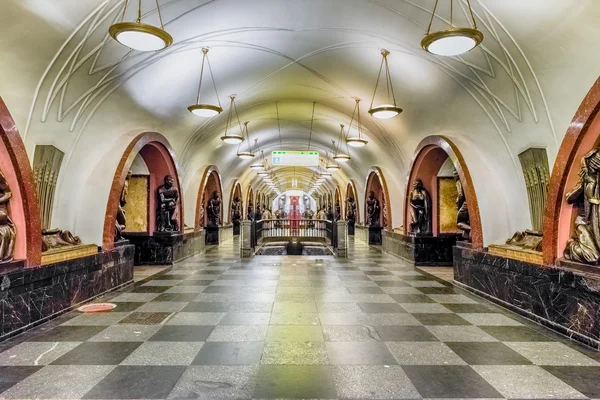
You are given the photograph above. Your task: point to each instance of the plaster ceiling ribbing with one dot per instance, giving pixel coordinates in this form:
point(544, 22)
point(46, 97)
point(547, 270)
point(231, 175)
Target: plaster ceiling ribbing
point(111, 68)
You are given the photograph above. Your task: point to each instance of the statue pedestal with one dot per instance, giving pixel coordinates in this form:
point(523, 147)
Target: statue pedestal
point(165, 248)
point(236, 229)
point(421, 250)
point(350, 229)
point(375, 235)
point(212, 234)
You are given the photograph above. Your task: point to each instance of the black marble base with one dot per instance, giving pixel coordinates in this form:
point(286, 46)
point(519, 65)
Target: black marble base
point(565, 300)
point(236, 229)
point(30, 296)
point(375, 235)
point(212, 234)
point(165, 248)
point(421, 250)
point(350, 229)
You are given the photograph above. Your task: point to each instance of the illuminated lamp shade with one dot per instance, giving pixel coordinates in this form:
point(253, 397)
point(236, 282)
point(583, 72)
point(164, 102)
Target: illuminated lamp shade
point(342, 158)
point(385, 111)
point(140, 36)
point(333, 167)
point(452, 42)
point(356, 142)
point(245, 155)
point(263, 173)
point(232, 139)
point(256, 166)
point(205, 110)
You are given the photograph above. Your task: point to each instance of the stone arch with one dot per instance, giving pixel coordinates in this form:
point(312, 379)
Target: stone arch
point(23, 206)
point(337, 199)
point(211, 181)
point(249, 201)
point(156, 152)
point(376, 182)
point(582, 136)
point(352, 192)
point(236, 191)
point(430, 155)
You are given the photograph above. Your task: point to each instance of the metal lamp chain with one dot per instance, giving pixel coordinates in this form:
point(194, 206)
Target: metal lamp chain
point(312, 119)
point(205, 51)
point(377, 83)
point(159, 16)
point(432, 16)
point(213, 80)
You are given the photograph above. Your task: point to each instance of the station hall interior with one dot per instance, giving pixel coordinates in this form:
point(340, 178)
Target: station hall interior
point(299, 199)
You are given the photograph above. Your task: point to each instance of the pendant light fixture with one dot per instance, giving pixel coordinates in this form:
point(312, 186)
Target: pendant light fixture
point(390, 110)
point(229, 137)
point(452, 41)
point(356, 141)
point(331, 166)
point(138, 35)
point(245, 155)
point(206, 110)
point(257, 165)
point(339, 155)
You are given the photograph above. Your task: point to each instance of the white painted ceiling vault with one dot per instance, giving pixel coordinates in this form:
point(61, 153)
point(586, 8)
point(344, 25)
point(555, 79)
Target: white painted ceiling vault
point(67, 83)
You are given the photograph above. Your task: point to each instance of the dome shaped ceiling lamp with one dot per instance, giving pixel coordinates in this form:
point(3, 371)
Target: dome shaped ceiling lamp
point(245, 155)
point(385, 111)
point(356, 141)
point(229, 137)
point(206, 110)
point(454, 40)
point(138, 35)
point(339, 155)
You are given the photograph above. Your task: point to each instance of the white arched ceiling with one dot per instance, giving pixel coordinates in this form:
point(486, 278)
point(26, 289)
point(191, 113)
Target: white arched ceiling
point(67, 83)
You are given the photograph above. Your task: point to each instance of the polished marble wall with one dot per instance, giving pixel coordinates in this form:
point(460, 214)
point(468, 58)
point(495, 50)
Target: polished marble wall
point(564, 300)
point(29, 296)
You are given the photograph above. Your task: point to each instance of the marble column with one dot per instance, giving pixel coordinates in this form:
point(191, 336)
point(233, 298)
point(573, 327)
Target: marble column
point(245, 239)
point(342, 239)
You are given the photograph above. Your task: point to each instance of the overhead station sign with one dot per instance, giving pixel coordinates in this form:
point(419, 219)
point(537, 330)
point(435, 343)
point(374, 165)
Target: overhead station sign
point(296, 158)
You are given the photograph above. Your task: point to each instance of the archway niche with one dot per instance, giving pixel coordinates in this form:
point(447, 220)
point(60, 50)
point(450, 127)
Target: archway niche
point(351, 206)
point(22, 207)
point(143, 168)
point(209, 209)
point(236, 214)
point(435, 215)
point(378, 214)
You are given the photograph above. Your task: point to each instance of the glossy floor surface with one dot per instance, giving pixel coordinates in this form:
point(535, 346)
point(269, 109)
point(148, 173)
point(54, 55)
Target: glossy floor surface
point(370, 327)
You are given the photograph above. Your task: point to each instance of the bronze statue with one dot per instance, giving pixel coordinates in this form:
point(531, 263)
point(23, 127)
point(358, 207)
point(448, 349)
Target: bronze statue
point(120, 221)
point(55, 239)
point(8, 233)
point(528, 240)
point(351, 211)
point(250, 211)
point(213, 209)
point(420, 207)
point(168, 198)
point(462, 218)
point(236, 211)
point(373, 210)
point(585, 244)
point(338, 211)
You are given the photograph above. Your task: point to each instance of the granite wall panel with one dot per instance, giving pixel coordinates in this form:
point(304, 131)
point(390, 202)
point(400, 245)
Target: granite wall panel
point(29, 296)
point(564, 300)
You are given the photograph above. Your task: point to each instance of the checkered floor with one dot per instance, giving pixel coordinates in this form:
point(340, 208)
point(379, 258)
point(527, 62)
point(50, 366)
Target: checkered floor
point(372, 327)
